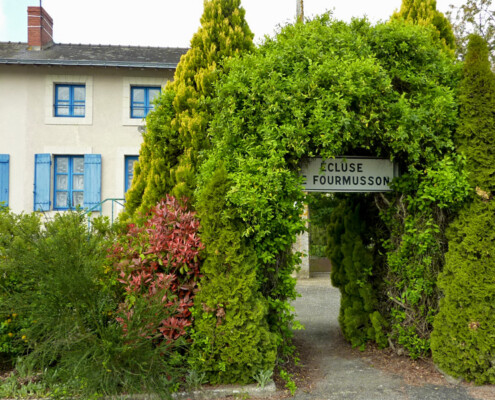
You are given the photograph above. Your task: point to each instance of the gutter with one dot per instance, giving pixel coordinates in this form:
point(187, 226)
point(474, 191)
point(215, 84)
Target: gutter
point(89, 63)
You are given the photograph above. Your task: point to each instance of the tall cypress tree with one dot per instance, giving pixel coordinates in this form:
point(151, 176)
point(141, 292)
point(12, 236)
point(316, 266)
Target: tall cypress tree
point(475, 136)
point(424, 12)
point(463, 340)
point(176, 130)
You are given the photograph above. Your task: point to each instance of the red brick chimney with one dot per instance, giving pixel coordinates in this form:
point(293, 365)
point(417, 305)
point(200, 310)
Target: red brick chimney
point(40, 28)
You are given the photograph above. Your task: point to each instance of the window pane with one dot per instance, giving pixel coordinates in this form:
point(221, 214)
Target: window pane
point(62, 182)
point(79, 93)
point(78, 165)
point(62, 110)
point(63, 164)
point(130, 172)
point(138, 95)
point(61, 199)
point(138, 112)
point(79, 110)
point(63, 93)
point(77, 199)
point(78, 182)
point(153, 93)
point(130, 167)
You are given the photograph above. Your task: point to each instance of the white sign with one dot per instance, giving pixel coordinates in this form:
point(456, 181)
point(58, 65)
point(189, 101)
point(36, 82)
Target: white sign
point(349, 174)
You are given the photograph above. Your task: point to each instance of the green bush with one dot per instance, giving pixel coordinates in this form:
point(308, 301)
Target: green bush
point(176, 131)
point(70, 299)
point(326, 88)
point(17, 235)
point(463, 339)
point(231, 338)
point(354, 251)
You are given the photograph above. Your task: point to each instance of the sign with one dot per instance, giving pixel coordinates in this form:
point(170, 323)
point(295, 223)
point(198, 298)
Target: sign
point(349, 174)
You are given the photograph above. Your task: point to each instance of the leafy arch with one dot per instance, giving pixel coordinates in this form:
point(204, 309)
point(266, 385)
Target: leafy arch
point(325, 88)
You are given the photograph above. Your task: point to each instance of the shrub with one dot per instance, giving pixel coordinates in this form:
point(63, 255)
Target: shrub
point(354, 252)
point(232, 340)
point(159, 262)
point(71, 301)
point(176, 131)
point(325, 88)
point(464, 330)
point(17, 235)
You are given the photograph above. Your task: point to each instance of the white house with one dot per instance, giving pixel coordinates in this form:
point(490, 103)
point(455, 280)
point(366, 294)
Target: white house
point(70, 117)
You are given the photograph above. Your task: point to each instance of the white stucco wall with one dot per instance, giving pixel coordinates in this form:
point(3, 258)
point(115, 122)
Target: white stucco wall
point(27, 125)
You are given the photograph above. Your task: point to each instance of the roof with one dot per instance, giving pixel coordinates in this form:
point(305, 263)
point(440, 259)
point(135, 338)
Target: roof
point(92, 55)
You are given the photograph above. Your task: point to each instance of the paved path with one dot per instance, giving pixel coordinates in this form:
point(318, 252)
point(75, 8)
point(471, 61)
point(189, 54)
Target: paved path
point(341, 375)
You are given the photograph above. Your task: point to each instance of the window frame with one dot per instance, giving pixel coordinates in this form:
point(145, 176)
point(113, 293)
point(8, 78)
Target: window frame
point(70, 174)
point(50, 82)
point(4, 179)
point(72, 103)
point(127, 159)
point(147, 103)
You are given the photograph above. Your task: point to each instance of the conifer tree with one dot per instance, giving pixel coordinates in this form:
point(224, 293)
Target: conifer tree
point(176, 129)
point(424, 12)
point(464, 330)
point(475, 136)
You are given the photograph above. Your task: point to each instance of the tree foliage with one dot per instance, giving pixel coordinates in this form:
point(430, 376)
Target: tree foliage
point(425, 13)
point(462, 341)
point(354, 249)
point(232, 340)
point(329, 88)
point(473, 17)
point(176, 130)
point(475, 135)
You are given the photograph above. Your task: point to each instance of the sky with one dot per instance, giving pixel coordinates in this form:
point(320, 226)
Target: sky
point(171, 23)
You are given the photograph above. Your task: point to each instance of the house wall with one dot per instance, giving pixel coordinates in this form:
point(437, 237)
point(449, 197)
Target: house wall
point(27, 125)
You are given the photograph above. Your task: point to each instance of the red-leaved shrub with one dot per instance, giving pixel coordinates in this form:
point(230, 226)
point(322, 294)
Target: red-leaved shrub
point(158, 263)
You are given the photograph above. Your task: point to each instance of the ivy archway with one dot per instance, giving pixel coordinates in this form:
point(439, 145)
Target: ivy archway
point(325, 88)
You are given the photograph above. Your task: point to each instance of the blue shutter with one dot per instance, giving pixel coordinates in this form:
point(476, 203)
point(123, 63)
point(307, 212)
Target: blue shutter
point(42, 167)
point(4, 179)
point(92, 181)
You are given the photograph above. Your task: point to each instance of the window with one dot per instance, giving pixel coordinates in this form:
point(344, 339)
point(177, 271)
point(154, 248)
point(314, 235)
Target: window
point(69, 182)
point(76, 181)
point(142, 100)
point(70, 100)
point(4, 179)
point(129, 170)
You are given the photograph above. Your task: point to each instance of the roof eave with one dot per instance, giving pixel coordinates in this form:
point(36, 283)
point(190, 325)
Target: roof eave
point(84, 63)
